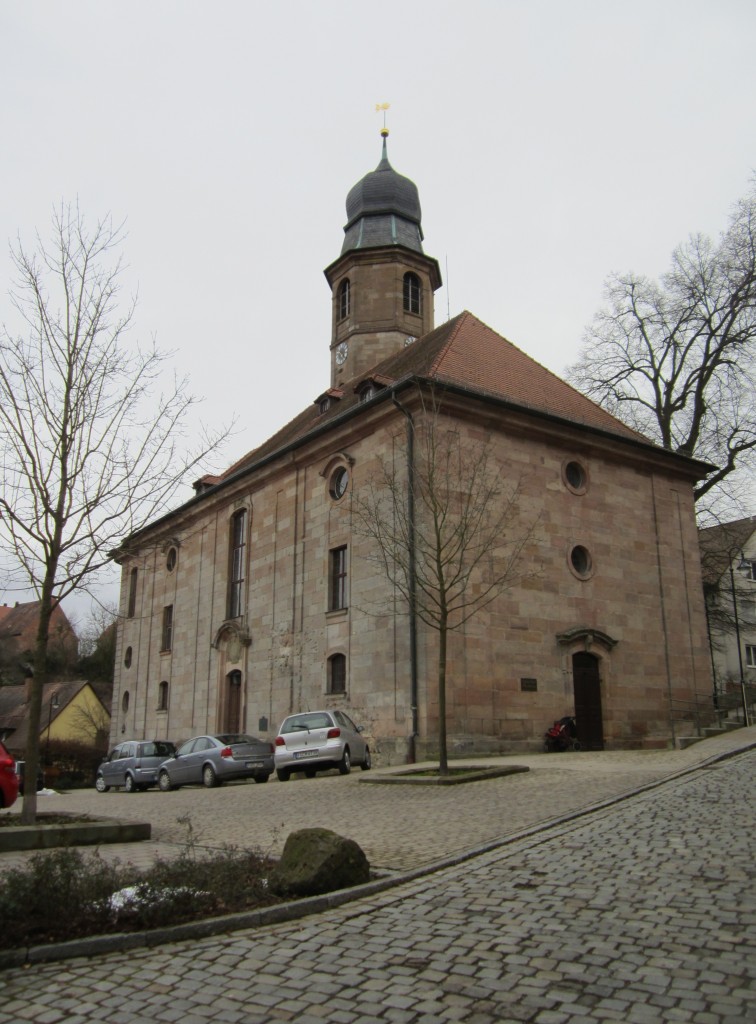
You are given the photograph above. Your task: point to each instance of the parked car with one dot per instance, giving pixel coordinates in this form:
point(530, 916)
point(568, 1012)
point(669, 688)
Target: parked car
point(133, 765)
point(215, 759)
point(314, 741)
point(8, 778)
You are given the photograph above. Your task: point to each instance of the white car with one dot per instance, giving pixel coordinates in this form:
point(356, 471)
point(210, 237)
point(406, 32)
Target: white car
point(314, 741)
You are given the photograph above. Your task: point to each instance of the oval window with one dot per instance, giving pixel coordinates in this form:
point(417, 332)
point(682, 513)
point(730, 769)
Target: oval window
point(338, 485)
point(581, 562)
point(170, 562)
point(575, 477)
point(127, 657)
point(125, 702)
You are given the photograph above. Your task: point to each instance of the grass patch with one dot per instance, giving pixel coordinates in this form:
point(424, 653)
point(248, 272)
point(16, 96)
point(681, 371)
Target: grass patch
point(65, 894)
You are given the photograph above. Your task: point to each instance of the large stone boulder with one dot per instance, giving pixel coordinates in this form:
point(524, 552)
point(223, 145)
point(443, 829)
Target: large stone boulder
point(316, 860)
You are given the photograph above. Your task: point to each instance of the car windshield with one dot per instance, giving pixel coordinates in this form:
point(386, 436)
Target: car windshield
point(229, 739)
point(315, 720)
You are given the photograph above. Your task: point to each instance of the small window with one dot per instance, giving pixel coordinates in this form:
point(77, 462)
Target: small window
point(337, 674)
point(575, 477)
point(749, 569)
point(324, 405)
point(412, 293)
point(338, 580)
point(581, 562)
point(345, 298)
point(166, 642)
point(367, 392)
point(170, 561)
point(127, 657)
point(751, 655)
point(338, 483)
point(132, 593)
point(125, 701)
point(163, 696)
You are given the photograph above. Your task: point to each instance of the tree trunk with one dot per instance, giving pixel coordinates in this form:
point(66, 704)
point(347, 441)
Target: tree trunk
point(31, 768)
point(443, 762)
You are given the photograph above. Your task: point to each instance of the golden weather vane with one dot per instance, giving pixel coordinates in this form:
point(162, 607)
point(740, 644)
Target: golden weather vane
point(383, 107)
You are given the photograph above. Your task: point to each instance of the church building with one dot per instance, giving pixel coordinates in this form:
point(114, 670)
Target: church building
point(258, 596)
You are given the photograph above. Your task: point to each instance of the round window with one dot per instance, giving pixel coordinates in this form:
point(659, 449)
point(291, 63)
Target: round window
point(338, 485)
point(581, 562)
point(575, 477)
point(170, 562)
point(127, 657)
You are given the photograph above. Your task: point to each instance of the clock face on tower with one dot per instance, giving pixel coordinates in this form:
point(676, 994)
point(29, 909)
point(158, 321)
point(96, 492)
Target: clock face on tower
point(342, 351)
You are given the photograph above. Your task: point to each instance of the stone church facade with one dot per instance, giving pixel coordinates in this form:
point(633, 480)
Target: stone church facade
point(258, 598)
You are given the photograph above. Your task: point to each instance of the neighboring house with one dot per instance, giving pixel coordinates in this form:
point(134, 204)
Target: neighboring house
point(728, 559)
point(255, 598)
point(18, 636)
point(73, 710)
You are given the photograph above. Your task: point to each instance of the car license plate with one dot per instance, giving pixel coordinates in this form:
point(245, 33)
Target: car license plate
point(305, 753)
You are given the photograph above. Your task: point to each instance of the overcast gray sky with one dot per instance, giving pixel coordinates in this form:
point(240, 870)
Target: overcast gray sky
point(551, 142)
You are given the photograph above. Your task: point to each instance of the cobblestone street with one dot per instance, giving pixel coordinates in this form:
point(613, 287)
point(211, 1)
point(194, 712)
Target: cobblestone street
point(643, 911)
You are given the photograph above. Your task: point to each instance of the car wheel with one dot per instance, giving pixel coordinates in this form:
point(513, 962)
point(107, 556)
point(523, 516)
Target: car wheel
point(367, 764)
point(283, 774)
point(164, 782)
point(129, 784)
point(261, 778)
point(209, 777)
point(345, 764)
point(100, 785)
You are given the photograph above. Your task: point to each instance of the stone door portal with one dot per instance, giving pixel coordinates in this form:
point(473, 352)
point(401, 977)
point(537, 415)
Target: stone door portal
point(232, 714)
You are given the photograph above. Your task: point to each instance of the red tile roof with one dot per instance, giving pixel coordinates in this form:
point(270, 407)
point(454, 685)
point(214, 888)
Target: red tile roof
point(466, 353)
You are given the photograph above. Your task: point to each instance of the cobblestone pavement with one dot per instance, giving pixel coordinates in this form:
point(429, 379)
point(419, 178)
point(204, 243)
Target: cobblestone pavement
point(399, 827)
point(642, 911)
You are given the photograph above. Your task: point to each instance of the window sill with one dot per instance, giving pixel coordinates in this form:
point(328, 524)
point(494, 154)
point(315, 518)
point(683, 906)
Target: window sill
point(337, 613)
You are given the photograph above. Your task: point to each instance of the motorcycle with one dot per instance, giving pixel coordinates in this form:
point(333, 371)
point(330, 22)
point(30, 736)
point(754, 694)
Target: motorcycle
point(561, 736)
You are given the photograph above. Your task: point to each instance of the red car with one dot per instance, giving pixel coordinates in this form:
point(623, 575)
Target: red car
point(8, 778)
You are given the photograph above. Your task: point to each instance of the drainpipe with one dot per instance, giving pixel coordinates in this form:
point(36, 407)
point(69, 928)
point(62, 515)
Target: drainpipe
point(411, 751)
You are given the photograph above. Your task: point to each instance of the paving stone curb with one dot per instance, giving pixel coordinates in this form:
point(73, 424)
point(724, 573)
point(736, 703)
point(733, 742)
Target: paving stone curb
point(296, 909)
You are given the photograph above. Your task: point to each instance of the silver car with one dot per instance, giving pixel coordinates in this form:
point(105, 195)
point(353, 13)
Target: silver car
point(133, 764)
point(314, 741)
point(215, 759)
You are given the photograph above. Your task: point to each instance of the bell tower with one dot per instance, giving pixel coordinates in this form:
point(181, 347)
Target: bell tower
point(382, 284)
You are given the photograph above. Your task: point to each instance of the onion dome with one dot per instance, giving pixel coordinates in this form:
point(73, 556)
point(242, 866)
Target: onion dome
point(383, 208)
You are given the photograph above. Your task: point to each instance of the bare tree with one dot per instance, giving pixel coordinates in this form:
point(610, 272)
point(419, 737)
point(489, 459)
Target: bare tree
point(444, 528)
point(676, 359)
point(90, 450)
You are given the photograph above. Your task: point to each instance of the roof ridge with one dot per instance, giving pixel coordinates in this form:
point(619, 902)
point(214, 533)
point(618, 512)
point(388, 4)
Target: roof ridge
point(460, 318)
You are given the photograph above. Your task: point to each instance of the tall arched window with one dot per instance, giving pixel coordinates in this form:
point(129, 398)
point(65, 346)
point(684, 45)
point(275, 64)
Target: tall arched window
point(345, 300)
point(237, 564)
point(412, 293)
point(132, 593)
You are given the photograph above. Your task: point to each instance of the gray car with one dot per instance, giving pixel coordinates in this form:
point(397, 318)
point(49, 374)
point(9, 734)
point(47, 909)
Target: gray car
point(314, 741)
point(133, 765)
point(215, 759)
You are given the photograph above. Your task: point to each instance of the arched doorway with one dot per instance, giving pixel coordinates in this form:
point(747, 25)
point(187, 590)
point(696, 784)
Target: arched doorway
point(232, 703)
point(587, 687)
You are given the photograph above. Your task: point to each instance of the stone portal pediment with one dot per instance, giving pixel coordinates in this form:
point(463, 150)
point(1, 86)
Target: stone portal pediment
point(589, 635)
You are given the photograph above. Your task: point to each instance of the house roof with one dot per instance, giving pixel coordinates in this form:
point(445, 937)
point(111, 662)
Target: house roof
point(14, 707)
point(723, 544)
point(20, 619)
point(463, 353)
